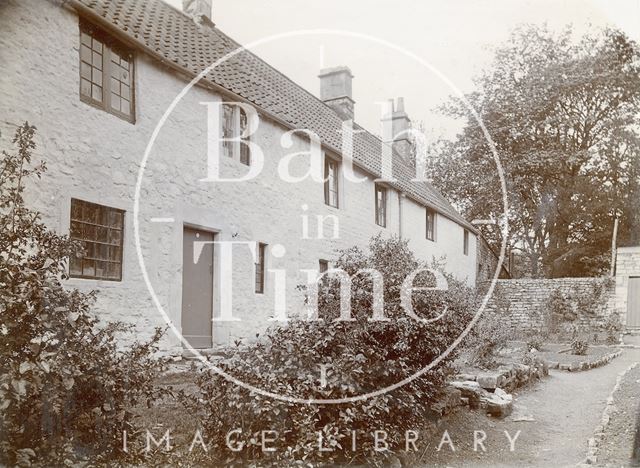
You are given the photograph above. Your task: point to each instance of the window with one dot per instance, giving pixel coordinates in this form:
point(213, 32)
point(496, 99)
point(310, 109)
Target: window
point(234, 124)
point(381, 206)
point(100, 229)
point(245, 155)
point(106, 73)
point(323, 266)
point(431, 224)
point(466, 242)
point(260, 268)
point(331, 182)
point(227, 130)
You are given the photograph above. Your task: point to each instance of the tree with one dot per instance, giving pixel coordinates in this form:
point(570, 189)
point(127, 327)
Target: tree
point(564, 117)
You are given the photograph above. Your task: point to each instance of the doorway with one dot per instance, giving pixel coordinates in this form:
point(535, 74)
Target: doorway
point(197, 287)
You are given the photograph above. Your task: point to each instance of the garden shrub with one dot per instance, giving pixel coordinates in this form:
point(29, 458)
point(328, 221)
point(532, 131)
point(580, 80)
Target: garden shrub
point(66, 392)
point(612, 328)
point(535, 342)
point(361, 356)
point(560, 309)
point(579, 347)
point(490, 334)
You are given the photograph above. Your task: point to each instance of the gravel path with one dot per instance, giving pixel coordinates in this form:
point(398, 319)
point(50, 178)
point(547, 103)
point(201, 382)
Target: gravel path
point(566, 408)
point(615, 448)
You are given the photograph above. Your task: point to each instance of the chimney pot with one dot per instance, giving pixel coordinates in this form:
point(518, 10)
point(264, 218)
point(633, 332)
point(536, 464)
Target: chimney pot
point(199, 10)
point(336, 90)
point(393, 126)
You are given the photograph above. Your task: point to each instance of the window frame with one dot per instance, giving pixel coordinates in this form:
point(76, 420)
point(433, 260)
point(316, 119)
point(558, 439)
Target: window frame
point(434, 214)
point(260, 268)
point(119, 261)
point(110, 45)
point(378, 188)
point(465, 242)
point(323, 266)
point(331, 162)
point(237, 150)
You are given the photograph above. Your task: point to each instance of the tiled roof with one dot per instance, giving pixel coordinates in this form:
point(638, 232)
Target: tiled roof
point(176, 39)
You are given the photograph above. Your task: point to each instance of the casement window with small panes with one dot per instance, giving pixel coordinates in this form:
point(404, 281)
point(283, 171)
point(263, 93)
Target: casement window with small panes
point(234, 125)
point(106, 72)
point(100, 230)
point(331, 186)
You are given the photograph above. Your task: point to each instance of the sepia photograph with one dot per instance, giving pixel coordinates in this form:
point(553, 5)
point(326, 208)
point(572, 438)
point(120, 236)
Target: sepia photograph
point(239, 233)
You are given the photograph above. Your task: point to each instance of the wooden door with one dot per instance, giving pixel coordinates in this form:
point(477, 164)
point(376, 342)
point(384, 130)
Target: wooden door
point(197, 287)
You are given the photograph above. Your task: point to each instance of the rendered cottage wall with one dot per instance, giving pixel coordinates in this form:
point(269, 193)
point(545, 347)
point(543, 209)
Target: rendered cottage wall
point(95, 156)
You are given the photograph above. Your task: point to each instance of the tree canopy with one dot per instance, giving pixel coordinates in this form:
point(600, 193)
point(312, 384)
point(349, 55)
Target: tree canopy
point(564, 116)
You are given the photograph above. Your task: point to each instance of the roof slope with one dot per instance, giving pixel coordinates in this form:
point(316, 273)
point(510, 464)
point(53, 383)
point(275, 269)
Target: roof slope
point(170, 34)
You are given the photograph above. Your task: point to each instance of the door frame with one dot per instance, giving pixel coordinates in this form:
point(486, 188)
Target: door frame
point(216, 298)
point(628, 305)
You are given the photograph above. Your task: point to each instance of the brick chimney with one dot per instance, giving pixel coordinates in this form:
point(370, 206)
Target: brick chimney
point(395, 122)
point(335, 90)
point(199, 10)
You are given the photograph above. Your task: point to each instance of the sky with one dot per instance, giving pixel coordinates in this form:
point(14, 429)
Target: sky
point(424, 51)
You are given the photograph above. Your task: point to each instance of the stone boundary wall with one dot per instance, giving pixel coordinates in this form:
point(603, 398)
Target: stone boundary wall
point(526, 304)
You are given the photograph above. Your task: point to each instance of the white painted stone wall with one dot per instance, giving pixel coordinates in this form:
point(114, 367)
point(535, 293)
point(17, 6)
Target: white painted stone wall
point(627, 264)
point(95, 156)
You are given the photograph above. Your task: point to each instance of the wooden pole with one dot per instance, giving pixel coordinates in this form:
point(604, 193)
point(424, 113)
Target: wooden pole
point(614, 239)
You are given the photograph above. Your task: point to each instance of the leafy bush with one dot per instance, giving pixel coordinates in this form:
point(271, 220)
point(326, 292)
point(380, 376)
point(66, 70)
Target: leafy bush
point(560, 310)
point(490, 334)
point(361, 356)
point(613, 327)
point(65, 390)
point(579, 347)
point(535, 342)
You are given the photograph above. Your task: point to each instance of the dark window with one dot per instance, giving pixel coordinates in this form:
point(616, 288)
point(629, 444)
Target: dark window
point(234, 126)
point(331, 182)
point(106, 72)
point(466, 242)
point(431, 224)
point(324, 266)
point(260, 268)
point(381, 206)
point(100, 229)
point(245, 155)
point(227, 130)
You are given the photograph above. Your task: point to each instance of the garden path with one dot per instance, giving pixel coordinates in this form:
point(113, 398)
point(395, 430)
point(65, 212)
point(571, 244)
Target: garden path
point(566, 408)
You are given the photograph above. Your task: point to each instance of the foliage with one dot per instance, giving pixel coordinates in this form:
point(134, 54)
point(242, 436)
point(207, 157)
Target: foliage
point(65, 390)
point(613, 327)
point(361, 356)
point(560, 309)
point(535, 342)
point(490, 334)
point(564, 116)
point(532, 359)
point(589, 302)
point(579, 347)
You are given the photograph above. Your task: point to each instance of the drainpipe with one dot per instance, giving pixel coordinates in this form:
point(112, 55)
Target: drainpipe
point(614, 246)
point(401, 196)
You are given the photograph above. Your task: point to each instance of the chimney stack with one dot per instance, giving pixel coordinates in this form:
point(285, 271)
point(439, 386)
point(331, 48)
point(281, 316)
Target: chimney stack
point(394, 123)
point(199, 10)
point(335, 90)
